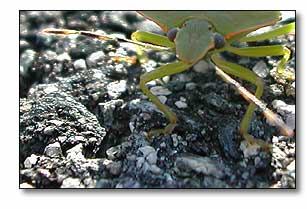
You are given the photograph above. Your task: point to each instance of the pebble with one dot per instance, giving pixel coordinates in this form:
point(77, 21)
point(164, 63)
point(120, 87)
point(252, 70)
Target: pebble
point(291, 166)
point(293, 85)
point(181, 105)
point(162, 99)
point(190, 86)
point(104, 183)
point(114, 167)
point(275, 139)
point(160, 90)
point(257, 160)
point(155, 169)
point(53, 150)
point(92, 140)
point(50, 88)
point(63, 57)
point(249, 150)
point(130, 184)
point(26, 60)
point(50, 55)
point(277, 153)
point(79, 139)
point(163, 145)
point(202, 67)
point(244, 61)
point(139, 162)
point(152, 158)
point(114, 152)
point(117, 88)
point(26, 186)
point(227, 138)
point(23, 44)
point(148, 161)
point(72, 183)
point(30, 161)
point(80, 64)
point(131, 127)
point(146, 150)
point(98, 74)
point(62, 139)
point(49, 130)
point(175, 140)
point(288, 111)
point(94, 58)
point(203, 165)
point(245, 175)
point(44, 172)
point(282, 107)
point(216, 101)
point(89, 182)
point(75, 153)
point(290, 90)
point(261, 69)
point(56, 122)
point(276, 89)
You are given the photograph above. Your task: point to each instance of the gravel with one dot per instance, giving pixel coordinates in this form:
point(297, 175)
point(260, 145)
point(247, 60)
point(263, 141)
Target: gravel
point(261, 69)
point(84, 121)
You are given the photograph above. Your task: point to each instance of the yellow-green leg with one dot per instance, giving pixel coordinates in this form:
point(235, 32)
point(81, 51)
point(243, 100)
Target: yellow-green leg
point(285, 29)
point(151, 38)
point(146, 37)
point(262, 51)
point(249, 76)
point(276, 50)
point(246, 74)
point(160, 72)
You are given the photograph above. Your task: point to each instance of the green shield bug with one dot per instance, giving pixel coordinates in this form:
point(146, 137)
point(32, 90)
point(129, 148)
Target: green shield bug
point(195, 35)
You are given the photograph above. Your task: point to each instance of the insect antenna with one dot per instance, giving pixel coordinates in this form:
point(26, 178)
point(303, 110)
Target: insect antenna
point(103, 37)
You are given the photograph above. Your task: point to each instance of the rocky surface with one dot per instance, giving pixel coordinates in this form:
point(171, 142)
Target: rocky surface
point(84, 120)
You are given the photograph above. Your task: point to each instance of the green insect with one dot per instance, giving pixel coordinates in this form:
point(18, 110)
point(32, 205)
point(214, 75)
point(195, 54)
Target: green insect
point(195, 35)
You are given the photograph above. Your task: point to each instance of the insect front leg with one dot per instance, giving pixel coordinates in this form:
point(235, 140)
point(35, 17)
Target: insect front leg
point(155, 39)
point(152, 38)
point(168, 69)
point(249, 76)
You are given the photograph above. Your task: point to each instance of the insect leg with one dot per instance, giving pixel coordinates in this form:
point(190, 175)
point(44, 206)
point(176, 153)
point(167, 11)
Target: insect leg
point(249, 76)
point(285, 29)
point(262, 51)
point(160, 72)
point(154, 39)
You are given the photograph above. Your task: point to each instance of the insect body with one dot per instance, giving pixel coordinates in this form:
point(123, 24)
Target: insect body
point(195, 35)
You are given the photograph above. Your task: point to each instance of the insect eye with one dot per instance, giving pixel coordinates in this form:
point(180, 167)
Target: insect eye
point(171, 34)
point(219, 41)
point(209, 27)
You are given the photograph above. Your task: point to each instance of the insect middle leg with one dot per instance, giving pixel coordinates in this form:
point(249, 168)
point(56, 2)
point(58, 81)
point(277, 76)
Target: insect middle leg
point(262, 51)
point(251, 77)
point(274, 50)
point(168, 69)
